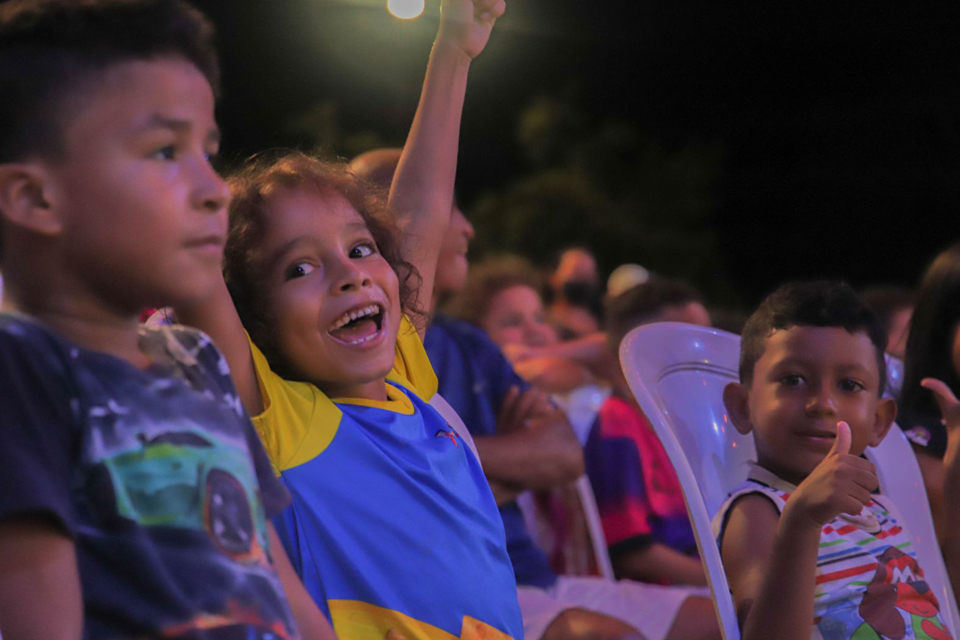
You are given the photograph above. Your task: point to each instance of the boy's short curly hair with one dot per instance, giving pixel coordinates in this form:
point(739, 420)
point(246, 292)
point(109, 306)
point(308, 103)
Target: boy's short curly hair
point(51, 50)
point(244, 265)
point(810, 304)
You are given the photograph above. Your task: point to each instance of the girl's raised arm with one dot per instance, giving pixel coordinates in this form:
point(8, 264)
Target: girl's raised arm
point(218, 318)
point(422, 189)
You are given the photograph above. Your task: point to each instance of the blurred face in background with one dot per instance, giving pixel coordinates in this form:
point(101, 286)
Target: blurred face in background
point(575, 266)
point(452, 263)
point(516, 316)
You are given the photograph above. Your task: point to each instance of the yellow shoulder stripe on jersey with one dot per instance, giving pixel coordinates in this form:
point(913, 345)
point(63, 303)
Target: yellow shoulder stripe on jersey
point(298, 421)
point(411, 366)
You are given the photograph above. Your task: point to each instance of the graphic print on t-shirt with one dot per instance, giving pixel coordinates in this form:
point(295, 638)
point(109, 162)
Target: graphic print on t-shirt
point(187, 478)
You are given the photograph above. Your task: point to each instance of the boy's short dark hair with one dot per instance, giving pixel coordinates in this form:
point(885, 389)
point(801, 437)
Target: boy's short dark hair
point(810, 304)
point(51, 48)
point(643, 303)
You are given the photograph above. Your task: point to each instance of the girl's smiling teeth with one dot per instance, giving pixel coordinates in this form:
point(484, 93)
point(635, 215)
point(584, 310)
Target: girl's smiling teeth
point(359, 325)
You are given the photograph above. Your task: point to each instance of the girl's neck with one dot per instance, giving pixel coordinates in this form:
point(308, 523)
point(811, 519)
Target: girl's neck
point(373, 390)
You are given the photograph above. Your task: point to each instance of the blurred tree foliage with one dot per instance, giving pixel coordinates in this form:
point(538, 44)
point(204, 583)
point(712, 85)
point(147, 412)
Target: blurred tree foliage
point(320, 128)
point(602, 183)
point(594, 182)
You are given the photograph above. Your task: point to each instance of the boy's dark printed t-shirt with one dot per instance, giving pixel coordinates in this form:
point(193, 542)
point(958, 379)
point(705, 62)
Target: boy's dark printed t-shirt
point(157, 475)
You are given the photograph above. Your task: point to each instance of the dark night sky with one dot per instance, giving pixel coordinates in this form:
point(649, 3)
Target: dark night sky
point(840, 122)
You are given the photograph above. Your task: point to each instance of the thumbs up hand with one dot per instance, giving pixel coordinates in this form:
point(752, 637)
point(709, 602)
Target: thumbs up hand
point(841, 483)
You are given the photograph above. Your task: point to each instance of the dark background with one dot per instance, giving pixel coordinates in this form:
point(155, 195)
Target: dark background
point(735, 144)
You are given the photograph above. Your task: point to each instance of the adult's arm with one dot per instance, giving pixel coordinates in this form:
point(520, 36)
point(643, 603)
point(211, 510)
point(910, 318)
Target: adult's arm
point(542, 454)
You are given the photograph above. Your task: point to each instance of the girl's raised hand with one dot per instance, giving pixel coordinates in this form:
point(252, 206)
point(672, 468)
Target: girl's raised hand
point(467, 24)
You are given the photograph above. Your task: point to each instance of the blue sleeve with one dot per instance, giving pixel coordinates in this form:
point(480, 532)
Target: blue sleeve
point(500, 372)
point(38, 430)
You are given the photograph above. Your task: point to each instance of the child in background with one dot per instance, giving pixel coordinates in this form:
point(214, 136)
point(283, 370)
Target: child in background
point(638, 494)
point(133, 489)
point(392, 522)
point(932, 352)
point(502, 297)
point(893, 306)
point(809, 549)
point(524, 448)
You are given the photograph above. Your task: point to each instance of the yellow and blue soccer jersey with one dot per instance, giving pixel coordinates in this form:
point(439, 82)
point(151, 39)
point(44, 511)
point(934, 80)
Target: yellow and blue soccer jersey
point(392, 523)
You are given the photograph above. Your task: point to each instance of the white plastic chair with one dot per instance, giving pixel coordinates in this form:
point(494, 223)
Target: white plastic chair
point(592, 515)
point(894, 376)
point(677, 373)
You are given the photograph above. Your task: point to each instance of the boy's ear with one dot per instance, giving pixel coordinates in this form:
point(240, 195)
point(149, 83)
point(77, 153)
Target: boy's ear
point(736, 398)
point(883, 420)
point(25, 198)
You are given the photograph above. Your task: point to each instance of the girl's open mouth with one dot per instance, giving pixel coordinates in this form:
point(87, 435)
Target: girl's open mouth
point(358, 326)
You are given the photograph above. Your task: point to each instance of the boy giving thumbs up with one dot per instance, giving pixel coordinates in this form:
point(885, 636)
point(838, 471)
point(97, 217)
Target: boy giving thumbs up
point(809, 549)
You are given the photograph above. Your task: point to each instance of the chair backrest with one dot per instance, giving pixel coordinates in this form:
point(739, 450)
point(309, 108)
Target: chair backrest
point(900, 480)
point(588, 502)
point(677, 373)
point(544, 528)
point(894, 376)
point(449, 414)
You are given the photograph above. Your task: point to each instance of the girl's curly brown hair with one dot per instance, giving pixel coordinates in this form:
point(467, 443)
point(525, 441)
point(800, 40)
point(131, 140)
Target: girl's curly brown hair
point(244, 271)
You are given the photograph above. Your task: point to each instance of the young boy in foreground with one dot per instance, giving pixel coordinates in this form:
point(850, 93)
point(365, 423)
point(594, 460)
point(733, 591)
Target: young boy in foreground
point(809, 549)
point(133, 489)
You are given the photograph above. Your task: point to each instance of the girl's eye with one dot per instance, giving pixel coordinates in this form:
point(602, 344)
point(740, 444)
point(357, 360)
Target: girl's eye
point(362, 251)
point(851, 386)
point(299, 270)
point(791, 380)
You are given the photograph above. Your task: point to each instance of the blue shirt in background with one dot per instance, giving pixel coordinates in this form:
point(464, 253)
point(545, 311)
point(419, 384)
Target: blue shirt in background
point(474, 376)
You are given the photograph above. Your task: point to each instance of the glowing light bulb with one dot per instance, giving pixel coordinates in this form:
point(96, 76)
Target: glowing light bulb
point(405, 9)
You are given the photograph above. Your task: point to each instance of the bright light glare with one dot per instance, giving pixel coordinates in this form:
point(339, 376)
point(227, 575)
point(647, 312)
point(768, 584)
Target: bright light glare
point(405, 9)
